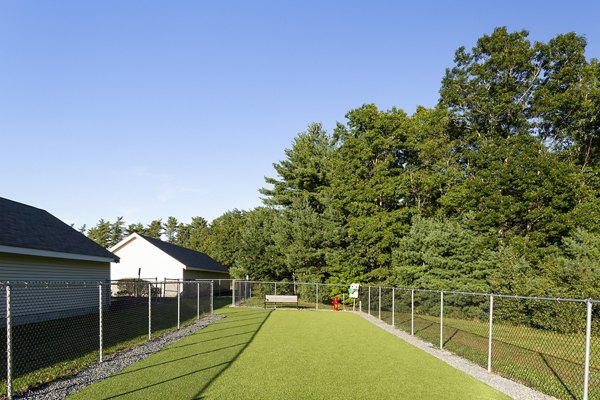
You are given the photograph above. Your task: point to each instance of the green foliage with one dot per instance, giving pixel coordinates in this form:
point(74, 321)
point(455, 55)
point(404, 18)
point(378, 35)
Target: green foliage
point(224, 238)
point(367, 185)
point(433, 168)
point(117, 232)
point(508, 86)
point(101, 233)
point(444, 255)
point(194, 235)
point(154, 229)
point(134, 228)
point(489, 89)
point(171, 229)
point(260, 257)
point(304, 173)
point(515, 188)
point(571, 270)
point(306, 238)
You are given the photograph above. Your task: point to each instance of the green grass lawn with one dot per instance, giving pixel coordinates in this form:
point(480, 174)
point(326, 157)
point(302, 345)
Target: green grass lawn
point(50, 350)
point(288, 354)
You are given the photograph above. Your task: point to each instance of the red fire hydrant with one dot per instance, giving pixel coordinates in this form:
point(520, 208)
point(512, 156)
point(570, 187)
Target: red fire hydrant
point(335, 304)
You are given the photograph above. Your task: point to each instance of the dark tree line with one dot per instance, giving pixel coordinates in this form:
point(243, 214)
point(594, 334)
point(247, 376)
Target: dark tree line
point(497, 188)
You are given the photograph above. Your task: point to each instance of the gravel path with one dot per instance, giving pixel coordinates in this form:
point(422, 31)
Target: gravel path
point(112, 364)
point(506, 386)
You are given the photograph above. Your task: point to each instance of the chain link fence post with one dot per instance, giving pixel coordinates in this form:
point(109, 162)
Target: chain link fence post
point(100, 333)
point(198, 298)
point(412, 312)
point(379, 305)
point(393, 307)
point(588, 335)
point(489, 360)
point(9, 382)
point(178, 304)
point(233, 293)
point(316, 296)
point(275, 288)
point(369, 301)
point(149, 311)
point(212, 297)
point(441, 320)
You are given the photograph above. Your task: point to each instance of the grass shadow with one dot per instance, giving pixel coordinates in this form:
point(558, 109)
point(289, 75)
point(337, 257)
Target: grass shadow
point(557, 376)
point(181, 359)
point(235, 357)
point(451, 337)
point(216, 360)
point(424, 328)
point(212, 340)
point(165, 381)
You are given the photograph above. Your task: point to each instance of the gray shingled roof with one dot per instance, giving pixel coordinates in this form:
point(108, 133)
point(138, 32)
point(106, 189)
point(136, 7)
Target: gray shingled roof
point(189, 258)
point(32, 228)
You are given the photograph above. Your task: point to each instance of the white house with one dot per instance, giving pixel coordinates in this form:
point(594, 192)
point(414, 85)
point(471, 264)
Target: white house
point(152, 259)
point(35, 246)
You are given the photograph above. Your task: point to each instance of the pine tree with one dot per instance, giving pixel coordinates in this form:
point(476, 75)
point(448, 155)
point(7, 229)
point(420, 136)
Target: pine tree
point(171, 229)
point(154, 229)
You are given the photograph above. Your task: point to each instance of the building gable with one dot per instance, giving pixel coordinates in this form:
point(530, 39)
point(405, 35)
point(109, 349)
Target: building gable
point(138, 256)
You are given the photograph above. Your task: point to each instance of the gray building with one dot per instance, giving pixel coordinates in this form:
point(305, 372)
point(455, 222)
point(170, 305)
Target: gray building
point(37, 247)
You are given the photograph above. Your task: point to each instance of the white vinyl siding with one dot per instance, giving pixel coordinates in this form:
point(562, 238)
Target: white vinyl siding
point(138, 256)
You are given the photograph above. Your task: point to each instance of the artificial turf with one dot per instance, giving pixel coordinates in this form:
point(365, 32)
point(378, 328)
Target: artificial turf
point(288, 354)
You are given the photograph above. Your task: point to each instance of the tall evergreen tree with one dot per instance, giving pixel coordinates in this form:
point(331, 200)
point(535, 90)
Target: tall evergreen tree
point(101, 233)
point(117, 232)
point(368, 187)
point(443, 254)
point(134, 228)
point(303, 175)
point(197, 234)
point(171, 229)
point(154, 229)
point(432, 168)
point(261, 258)
point(224, 238)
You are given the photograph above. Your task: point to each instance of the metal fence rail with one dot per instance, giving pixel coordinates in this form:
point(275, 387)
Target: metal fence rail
point(549, 344)
point(51, 327)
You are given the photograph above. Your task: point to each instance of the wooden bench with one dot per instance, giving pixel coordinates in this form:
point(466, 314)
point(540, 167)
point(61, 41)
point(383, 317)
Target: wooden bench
point(277, 299)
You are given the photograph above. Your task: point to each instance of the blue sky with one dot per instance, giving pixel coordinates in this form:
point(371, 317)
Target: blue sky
point(146, 109)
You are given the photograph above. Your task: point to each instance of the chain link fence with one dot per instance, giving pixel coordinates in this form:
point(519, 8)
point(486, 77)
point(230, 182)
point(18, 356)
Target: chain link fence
point(52, 329)
point(549, 344)
point(318, 296)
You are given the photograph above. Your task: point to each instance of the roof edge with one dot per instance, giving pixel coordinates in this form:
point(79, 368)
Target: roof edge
point(55, 254)
point(204, 270)
point(124, 241)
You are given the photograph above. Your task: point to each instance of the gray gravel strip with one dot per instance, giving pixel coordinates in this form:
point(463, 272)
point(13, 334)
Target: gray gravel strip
point(112, 364)
point(506, 386)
